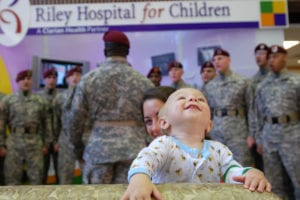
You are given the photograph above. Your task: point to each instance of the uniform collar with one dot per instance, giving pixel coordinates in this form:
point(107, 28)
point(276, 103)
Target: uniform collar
point(280, 74)
point(116, 58)
point(24, 93)
point(178, 84)
point(225, 75)
point(50, 91)
point(264, 70)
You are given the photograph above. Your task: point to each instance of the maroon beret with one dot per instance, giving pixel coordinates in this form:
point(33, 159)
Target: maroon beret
point(276, 49)
point(23, 74)
point(174, 64)
point(262, 47)
point(221, 52)
point(75, 69)
point(207, 64)
point(116, 37)
point(52, 71)
point(154, 70)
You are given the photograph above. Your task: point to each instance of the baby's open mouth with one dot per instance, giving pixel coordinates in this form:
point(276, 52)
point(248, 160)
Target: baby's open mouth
point(193, 106)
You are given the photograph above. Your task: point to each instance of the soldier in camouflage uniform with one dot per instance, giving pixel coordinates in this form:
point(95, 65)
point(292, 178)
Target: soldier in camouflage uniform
point(49, 93)
point(25, 114)
point(61, 104)
point(227, 97)
point(278, 126)
point(207, 73)
point(175, 70)
point(261, 57)
point(2, 157)
point(155, 75)
point(110, 96)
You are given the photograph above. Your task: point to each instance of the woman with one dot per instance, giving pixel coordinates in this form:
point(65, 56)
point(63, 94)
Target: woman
point(153, 100)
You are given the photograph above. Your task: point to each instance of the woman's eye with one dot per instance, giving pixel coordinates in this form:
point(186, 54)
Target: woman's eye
point(148, 122)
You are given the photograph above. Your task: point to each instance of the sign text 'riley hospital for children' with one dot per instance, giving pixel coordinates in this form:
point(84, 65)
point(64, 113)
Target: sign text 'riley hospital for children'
point(144, 16)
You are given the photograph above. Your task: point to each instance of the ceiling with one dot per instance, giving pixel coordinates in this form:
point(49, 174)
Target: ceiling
point(293, 32)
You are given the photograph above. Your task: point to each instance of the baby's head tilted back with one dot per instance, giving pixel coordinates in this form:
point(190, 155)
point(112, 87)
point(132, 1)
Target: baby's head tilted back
point(186, 106)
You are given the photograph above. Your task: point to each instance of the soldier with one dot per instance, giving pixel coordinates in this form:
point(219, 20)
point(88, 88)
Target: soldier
point(278, 126)
point(175, 70)
point(110, 96)
point(207, 72)
point(25, 114)
point(227, 97)
point(261, 58)
point(155, 76)
point(49, 93)
point(66, 156)
point(2, 157)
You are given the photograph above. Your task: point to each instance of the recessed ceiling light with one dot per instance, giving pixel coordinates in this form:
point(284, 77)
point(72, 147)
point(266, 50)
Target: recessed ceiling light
point(290, 43)
point(298, 61)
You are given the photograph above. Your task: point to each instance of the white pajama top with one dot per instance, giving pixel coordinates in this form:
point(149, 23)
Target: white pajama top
point(167, 160)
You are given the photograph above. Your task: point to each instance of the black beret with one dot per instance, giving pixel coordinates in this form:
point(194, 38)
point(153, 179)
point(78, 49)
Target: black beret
point(207, 64)
point(221, 52)
point(154, 70)
point(174, 64)
point(262, 47)
point(276, 49)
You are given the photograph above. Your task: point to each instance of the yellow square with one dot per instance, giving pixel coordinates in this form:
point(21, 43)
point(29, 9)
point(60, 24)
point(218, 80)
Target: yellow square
point(267, 19)
point(279, 7)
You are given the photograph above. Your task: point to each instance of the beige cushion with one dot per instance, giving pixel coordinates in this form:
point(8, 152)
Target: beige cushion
point(180, 191)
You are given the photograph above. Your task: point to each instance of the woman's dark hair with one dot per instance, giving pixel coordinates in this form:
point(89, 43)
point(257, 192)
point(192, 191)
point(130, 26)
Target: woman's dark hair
point(161, 92)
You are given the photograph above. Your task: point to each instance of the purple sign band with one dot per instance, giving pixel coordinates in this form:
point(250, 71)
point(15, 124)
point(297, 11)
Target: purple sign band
point(132, 28)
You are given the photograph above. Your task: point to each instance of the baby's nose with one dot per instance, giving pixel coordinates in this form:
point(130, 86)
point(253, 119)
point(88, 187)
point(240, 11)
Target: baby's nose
point(193, 99)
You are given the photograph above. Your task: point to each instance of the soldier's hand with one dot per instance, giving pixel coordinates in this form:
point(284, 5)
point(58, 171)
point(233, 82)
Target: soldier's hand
point(250, 141)
point(2, 152)
point(45, 150)
point(259, 149)
point(55, 147)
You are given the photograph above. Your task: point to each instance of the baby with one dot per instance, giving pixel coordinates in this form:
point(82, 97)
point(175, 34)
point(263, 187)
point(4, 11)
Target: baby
point(183, 155)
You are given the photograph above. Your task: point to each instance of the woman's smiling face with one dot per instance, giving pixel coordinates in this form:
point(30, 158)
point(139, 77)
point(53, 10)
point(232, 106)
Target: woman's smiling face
point(151, 109)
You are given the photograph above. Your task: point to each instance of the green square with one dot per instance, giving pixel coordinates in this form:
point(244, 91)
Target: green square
point(266, 7)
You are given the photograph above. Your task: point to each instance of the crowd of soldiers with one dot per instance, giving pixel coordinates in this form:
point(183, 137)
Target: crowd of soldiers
point(98, 121)
point(34, 122)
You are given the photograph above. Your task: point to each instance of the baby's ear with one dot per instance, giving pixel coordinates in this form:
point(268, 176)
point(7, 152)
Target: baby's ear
point(164, 124)
point(209, 126)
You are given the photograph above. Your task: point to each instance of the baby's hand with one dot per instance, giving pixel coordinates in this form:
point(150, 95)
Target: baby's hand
point(253, 180)
point(140, 187)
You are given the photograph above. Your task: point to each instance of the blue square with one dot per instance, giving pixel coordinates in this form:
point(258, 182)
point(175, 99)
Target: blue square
point(280, 19)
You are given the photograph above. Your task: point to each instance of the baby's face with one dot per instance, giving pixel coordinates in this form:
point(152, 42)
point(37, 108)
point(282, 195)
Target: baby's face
point(186, 104)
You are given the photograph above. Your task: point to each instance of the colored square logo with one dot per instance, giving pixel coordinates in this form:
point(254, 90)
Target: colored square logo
point(273, 13)
point(280, 19)
point(279, 7)
point(267, 20)
point(266, 7)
